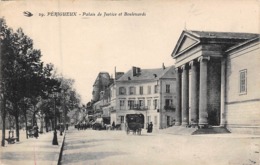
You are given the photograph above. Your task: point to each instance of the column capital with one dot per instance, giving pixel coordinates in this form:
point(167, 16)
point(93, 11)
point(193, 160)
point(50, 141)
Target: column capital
point(192, 62)
point(183, 67)
point(203, 58)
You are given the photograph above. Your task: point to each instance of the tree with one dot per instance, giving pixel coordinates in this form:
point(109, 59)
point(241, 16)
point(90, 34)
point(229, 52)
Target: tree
point(6, 36)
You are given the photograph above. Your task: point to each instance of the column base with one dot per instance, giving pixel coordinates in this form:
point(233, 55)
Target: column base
point(194, 125)
point(204, 125)
point(184, 124)
point(223, 125)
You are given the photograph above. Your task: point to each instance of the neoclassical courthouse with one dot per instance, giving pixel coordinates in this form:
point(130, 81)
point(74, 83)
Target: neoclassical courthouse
point(218, 80)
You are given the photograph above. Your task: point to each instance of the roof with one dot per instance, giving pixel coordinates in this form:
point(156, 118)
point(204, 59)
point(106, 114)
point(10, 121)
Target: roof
point(226, 39)
point(149, 74)
point(222, 35)
point(257, 39)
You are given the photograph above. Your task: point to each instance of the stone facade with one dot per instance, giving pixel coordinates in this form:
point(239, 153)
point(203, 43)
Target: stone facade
point(242, 109)
point(102, 82)
point(208, 67)
point(144, 91)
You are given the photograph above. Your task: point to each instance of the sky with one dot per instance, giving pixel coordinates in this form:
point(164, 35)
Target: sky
point(81, 46)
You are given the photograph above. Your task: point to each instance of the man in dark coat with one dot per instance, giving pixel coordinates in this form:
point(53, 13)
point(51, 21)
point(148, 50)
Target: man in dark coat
point(150, 128)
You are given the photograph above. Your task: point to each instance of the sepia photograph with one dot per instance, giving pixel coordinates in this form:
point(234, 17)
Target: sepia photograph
point(130, 82)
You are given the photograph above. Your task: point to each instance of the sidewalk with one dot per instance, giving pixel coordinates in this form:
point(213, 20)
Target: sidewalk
point(32, 151)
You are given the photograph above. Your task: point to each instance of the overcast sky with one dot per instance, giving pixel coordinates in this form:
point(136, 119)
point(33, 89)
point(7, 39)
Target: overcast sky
point(81, 47)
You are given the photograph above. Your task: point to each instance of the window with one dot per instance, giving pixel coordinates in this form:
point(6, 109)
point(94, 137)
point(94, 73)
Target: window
point(168, 90)
point(141, 104)
point(141, 90)
point(156, 88)
point(149, 90)
point(155, 103)
point(168, 102)
point(122, 119)
point(155, 119)
point(122, 91)
point(243, 85)
point(131, 104)
point(131, 90)
point(148, 119)
point(148, 104)
point(122, 104)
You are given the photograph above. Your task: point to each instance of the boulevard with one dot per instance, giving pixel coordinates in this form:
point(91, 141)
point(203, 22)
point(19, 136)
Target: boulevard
point(115, 147)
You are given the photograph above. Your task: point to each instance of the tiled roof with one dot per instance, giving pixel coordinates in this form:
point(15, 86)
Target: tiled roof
point(223, 35)
point(149, 74)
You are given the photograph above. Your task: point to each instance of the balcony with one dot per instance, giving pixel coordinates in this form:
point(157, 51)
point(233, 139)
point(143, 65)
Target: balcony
point(137, 107)
point(169, 108)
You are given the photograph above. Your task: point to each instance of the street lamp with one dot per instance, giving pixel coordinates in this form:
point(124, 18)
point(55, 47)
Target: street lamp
point(55, 139)
point(63, 113)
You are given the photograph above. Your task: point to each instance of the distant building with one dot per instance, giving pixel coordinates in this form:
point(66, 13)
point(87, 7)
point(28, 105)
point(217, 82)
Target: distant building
point(102, 82)
point(218, 79)
point(147, 91)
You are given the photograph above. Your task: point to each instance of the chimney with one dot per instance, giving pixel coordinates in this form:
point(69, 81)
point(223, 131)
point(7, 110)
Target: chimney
point(136, 71)
point(163, 66)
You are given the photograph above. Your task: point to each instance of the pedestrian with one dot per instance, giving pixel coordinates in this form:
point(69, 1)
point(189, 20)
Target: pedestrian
point(113, 125)
point(36, 131)
point(150, 128)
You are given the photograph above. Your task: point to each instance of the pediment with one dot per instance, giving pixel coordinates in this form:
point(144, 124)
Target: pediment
point(185, 42)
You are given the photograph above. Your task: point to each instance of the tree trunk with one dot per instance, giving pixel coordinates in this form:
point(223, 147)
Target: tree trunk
point(26, 130)
point(33, 117)
point(46, 124)
point(17, 121)
point(3, 103)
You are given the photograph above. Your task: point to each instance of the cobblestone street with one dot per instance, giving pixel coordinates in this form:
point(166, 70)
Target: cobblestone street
point(115, 147)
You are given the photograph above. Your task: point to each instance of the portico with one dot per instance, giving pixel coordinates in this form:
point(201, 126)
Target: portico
point(200, 77)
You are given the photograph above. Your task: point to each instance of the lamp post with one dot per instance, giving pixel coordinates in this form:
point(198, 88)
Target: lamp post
point(63, 113)
point(55, 139)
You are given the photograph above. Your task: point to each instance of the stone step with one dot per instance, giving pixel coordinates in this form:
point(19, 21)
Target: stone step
point(180, 130)
point(212, 130)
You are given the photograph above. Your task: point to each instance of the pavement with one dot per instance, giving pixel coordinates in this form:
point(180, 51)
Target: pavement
point(115, 147)
point(32, 151)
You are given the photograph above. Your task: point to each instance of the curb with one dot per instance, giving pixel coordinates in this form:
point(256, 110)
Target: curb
point(61, 148)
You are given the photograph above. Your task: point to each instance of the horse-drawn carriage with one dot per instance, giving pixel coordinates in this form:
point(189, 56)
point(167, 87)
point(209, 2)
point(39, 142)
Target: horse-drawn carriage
point(134, 123)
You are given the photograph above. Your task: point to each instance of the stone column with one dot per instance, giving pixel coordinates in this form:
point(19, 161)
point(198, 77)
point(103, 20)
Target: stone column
point(223, 92)
point(203, 89)
point(194, 93)
point(178, 98)
point(185, 95)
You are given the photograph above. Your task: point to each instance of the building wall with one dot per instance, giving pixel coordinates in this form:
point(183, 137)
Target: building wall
point(170, 113)
point(151, 111)
point(153, 114)
point(214, 82)
point(243, 109)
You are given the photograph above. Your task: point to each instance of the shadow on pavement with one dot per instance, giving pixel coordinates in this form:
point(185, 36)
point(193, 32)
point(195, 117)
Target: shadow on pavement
point(79, 157)
point(79, 146)
point(68, 141)
point(28, 155)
